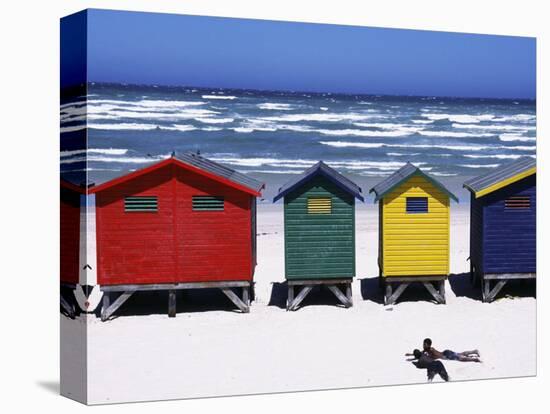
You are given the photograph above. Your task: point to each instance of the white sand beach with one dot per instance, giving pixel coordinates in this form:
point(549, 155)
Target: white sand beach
point(210, 349)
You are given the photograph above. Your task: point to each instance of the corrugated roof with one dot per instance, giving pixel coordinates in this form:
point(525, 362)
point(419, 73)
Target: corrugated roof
point(198, 161)
point(321, 168)
point(406, 171)
point(195, 161)
point(499, 174)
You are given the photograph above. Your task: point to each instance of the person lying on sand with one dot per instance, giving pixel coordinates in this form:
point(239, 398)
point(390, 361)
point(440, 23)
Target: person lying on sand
point(423, 361)
point(465, 356)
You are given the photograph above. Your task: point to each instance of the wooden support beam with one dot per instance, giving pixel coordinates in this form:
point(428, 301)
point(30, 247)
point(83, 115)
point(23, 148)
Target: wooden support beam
point(485, 289)
point(341, 297)
point(246, 296)
point(299, 298)
point(290, 297)
point(349, 294)
point(236, 300)
point(490, 294)
point(108, 309)
point(105, 305)
point(436, 295)
point(398, 291)
point(171, 303)
point(175, 286)
point(508, 276)
point(387, 293)
point(442, 291)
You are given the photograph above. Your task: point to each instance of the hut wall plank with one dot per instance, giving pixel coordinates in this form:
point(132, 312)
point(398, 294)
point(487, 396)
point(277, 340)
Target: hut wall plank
point(319, 246)
point(415, 244)
point(509, 236)
point(175, 244)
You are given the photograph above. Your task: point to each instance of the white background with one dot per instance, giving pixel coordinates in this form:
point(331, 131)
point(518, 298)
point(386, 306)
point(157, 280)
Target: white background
point(29, 100)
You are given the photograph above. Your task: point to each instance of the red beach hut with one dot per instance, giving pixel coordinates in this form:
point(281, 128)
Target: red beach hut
point(69, 237)
point(182, 223)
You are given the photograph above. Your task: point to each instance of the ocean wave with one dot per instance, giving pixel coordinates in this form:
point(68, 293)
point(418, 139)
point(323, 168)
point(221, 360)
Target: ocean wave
point(442, 174)
point(123, 126)
point(450, 134)
point(494, 127)
point(102, 114)
point(122, 160)
point(478, 165)
point(346, 144)
point(105, 151)
point(272, 171)
point(227, 97)
point(72, 128)
point(276, 106)
point(215, 120)
point(515, 137)
point(516, 118)
point(300, 164)
point(181, 128)
point(422, 121)
point(211, 129)
point(145, 103)
point(321, 117)
point(462, 118)
point(382, 125)
point(497, 156)
point(367, 133)
point(399, 154)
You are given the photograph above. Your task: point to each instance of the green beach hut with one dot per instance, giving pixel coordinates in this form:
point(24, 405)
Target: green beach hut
point(319, 214)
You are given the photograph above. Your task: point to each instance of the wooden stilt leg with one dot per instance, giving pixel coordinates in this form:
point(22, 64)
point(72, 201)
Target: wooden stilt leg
point(349, 294)
point(496, 289)
point(388, 293)
point(172, 303)
point(236, 300)
point(338, 293)
point(442, 291)
point(290, 297)
point(436, 295)
point(246, 298)
point(105, 306)
point(485, 289)
point(300, 297)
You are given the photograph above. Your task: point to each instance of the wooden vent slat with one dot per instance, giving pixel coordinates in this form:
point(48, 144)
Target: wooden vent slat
point(141, 204)
point(319, 205)
point(517, 202)
point(417, 205)
point(208, 203)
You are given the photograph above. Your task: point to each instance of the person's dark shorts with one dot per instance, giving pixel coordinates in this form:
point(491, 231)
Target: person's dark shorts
point(453, 356)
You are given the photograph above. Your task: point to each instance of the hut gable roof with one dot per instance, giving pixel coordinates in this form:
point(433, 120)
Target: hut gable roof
point(200, 165)
point(321, 169)
point(401, 175)
point(502, 176)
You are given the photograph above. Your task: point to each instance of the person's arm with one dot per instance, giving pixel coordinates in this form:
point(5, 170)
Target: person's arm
point(409, 354)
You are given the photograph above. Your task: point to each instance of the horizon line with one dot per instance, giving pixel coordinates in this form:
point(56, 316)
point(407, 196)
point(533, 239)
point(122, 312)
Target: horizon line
point(305, 92)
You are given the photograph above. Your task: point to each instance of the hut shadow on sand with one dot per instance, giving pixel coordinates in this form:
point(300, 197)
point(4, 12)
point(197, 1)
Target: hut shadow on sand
point(462, 287)
point(144, 303)
point(319, 296)
point(415, 292)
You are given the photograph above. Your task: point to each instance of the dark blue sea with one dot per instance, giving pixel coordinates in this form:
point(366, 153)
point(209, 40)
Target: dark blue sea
point(275, 135)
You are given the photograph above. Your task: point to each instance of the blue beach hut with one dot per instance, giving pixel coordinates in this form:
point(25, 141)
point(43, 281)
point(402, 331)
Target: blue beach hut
point(503, 225)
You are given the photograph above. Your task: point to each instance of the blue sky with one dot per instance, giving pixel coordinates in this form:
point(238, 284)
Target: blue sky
point(166, 49)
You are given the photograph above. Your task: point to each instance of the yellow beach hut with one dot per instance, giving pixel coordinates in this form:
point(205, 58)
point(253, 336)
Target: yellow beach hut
point(414, 228)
